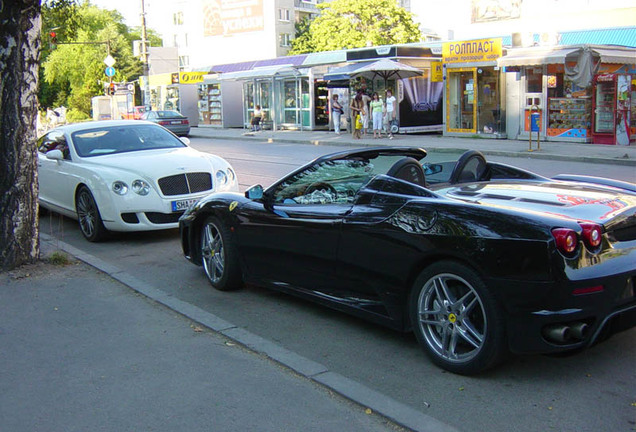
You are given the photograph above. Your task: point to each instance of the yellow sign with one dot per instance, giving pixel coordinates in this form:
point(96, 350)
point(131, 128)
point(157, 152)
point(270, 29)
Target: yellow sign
point(437, 74)
point(471, 51)
point(191, 77)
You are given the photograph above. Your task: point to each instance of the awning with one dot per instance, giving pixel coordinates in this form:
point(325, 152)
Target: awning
point(535, 56)
point(344, 72)
point(261, 72)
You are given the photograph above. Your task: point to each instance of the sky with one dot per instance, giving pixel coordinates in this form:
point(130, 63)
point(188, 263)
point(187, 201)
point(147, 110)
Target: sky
point(131, 11)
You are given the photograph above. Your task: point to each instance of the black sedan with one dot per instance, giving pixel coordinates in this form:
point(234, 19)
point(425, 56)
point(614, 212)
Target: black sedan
point(172, 120)
point(479, 259)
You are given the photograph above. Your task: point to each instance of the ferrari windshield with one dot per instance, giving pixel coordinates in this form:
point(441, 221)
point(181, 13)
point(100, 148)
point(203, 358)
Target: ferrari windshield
point(121, 139)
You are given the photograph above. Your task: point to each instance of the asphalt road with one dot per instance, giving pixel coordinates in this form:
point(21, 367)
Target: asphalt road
point(592, 391)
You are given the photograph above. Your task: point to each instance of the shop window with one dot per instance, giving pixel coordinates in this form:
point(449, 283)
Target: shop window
point(184, 61)
point(461, 101)
point(534, 80)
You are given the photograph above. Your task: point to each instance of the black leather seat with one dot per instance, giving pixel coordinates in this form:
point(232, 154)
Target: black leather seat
point(408, 169)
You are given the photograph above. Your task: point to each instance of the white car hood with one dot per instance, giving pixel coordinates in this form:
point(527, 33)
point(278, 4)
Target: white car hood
point(159, 163)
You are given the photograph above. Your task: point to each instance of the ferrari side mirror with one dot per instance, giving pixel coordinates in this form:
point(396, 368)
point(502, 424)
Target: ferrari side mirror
point(254, 193)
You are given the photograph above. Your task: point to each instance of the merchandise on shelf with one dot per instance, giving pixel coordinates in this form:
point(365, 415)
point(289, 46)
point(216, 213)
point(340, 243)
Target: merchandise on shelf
point(569, 117)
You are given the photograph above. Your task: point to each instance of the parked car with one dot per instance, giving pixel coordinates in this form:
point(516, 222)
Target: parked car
point(171, 120)
point(135, 114)
point(477, 258)
point(124, 176)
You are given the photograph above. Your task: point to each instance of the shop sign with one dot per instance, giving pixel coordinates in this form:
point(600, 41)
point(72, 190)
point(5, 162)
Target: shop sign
point(437, 74)
point(472, 51)
point(160, 79)
point(191, 77)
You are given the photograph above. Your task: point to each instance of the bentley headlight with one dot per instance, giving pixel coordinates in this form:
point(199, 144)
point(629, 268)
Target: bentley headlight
point(120, 188)
point(221, 179)
point(230, 175)
point(140, 187)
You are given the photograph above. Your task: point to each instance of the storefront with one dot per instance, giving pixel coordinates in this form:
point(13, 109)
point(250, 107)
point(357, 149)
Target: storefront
point(220, 102)
point(419, 97)
point(176, 91)
point(558, 83)
point(474, 94)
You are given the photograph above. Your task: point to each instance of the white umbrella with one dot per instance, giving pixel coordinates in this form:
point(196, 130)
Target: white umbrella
point(386, 68)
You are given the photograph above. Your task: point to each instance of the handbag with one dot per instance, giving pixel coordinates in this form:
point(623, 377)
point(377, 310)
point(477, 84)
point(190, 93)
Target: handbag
point(358, 122)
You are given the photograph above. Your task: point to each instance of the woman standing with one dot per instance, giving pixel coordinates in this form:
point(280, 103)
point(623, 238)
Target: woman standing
point(390, 111)
point(336, 112)
point(357, 111)
point(376, 113)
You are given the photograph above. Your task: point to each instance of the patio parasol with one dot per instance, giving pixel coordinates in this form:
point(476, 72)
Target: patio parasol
point(386, 68)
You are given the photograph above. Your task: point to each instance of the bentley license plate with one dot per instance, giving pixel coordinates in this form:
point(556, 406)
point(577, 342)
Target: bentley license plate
point(182, 205)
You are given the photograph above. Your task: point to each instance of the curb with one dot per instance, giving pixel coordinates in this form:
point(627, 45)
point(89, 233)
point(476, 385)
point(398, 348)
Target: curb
point(319, 374)
point(445, 149)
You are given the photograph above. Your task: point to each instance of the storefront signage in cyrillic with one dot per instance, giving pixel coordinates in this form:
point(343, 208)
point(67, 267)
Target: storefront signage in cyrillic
point(471, 51)
point(437, 74)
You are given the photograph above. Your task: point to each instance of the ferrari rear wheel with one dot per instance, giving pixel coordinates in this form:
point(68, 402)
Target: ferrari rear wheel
point(218, 255)
point(90, 221)
point(456, 319)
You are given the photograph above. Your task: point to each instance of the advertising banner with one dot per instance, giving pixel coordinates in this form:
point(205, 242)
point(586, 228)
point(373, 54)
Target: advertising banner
point(227, 17)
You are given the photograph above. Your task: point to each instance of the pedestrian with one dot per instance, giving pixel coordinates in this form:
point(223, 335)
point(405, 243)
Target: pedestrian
point(376, 114)
point(257, 115)
point(336, 112)
point(390, 112)
point(357, 111)
point(366, 99)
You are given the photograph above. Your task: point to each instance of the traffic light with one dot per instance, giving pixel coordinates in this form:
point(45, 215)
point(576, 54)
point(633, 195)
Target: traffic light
point(111, 89)
point(52, 39)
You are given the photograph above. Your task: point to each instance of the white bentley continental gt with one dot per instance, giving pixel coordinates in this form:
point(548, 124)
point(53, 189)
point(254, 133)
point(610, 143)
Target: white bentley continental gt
point(125, 176)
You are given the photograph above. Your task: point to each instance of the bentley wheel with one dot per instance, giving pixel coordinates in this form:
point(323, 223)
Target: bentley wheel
point(456, 319)
point(90, 221)
point(218, 254)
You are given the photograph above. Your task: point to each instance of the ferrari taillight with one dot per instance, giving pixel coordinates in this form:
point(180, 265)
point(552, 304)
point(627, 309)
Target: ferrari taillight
point(566, 240)
point(591, 234)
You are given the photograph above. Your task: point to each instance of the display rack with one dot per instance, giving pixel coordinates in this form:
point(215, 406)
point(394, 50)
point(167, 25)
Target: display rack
point(210, 111)
point(569, 117)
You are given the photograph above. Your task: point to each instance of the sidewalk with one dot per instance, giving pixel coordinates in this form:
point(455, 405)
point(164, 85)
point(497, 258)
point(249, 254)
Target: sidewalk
point(90, 350)
point(595, 153)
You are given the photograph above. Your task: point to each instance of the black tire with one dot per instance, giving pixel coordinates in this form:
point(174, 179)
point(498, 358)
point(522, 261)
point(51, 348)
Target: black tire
point(219, 256)
point(456, 320)
point(90, 221)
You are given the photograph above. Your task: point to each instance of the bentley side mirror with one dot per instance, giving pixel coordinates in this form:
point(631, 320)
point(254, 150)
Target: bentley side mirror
point(55, 155)
point(185, 140)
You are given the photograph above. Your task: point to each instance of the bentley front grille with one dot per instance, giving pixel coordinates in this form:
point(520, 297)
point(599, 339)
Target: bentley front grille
point(183, 184)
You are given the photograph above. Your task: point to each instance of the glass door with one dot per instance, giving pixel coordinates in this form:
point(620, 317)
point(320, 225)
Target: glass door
point(461, 113)
point(604, 119)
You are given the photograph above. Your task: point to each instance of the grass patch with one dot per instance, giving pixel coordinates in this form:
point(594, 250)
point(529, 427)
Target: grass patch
point(59, 258)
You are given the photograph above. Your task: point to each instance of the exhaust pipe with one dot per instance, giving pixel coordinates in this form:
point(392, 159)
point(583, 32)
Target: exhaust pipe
point(557, 333)
point(579, 330)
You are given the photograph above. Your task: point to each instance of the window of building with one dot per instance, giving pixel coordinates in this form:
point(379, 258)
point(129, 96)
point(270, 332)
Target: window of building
point(284, 14)
point(534, 79)
point(177, 18)
point(285, 39)
point(184, 61)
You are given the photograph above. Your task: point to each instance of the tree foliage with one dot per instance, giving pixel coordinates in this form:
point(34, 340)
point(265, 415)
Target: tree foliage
point(344, 24)
point(73, 72)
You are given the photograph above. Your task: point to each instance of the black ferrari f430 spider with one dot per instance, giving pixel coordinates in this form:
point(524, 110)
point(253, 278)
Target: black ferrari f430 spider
point(477, 258)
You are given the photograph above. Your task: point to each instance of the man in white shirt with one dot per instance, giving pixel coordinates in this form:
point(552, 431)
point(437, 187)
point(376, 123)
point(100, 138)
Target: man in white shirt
point(390, 111)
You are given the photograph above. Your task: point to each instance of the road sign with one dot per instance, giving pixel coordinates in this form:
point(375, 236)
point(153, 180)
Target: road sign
point(109, 71)
point(109, 60)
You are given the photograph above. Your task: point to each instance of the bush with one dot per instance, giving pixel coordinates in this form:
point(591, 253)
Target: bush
point(74, 116)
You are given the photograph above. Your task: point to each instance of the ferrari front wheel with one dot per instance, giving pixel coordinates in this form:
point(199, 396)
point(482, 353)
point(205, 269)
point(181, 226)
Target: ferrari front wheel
point(456, 319)
point(218, 255)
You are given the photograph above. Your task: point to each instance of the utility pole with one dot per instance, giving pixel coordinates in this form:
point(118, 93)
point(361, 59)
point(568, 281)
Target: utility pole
point(144, 56)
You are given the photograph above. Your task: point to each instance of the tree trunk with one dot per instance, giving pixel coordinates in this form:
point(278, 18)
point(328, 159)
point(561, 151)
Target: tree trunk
point(19, 55)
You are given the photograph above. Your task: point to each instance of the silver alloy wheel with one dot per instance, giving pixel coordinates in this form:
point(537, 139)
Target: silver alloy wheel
point(212, 253)
point(452, 318)
point(87, 213)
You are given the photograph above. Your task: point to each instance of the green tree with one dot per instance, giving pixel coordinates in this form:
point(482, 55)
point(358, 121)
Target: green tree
point(74, 70)
point(346, 24)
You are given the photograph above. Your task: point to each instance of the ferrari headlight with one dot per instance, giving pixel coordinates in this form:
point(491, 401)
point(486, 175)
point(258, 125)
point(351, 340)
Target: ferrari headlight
point(140, 187)
point(120, 188)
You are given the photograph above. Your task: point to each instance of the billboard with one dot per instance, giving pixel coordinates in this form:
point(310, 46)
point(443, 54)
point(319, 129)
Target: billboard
point(495, 10)
point(227, 17)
